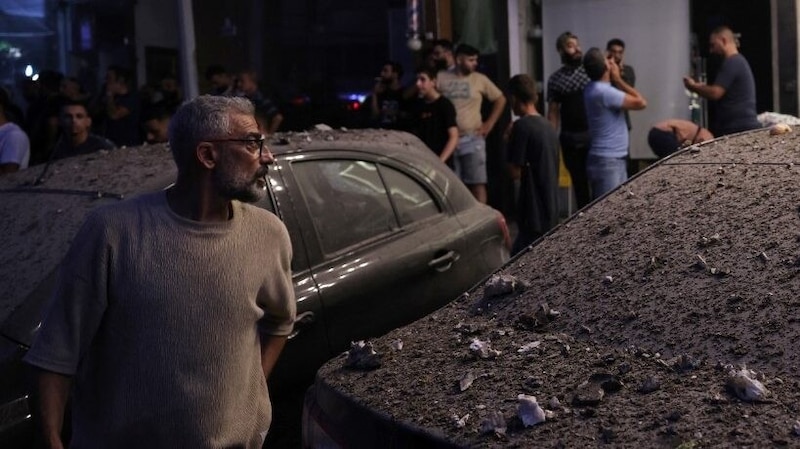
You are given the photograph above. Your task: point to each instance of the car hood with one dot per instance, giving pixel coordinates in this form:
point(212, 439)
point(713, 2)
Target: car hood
point(632, 322)
point(41, 219)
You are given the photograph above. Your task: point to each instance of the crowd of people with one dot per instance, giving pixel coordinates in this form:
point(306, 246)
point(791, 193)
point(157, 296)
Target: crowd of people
point(588, 99)
point(60, 119)
point(204, 255)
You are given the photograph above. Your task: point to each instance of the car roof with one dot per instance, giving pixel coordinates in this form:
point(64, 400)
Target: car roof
point(694, 259)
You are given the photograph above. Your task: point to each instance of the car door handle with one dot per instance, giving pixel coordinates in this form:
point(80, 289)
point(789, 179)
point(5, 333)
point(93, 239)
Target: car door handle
point(302, 321)
point(444, 262)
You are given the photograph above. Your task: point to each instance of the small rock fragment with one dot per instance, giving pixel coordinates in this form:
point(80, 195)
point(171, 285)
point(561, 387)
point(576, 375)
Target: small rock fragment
point(494, 423)
point(462, 421)
point(554, 403)
point(685, 363)
point(608, 279)
point(779, 129)
point(743, 384)
point(466, 380)
point(529, 410)
point(397, 345)
point(796, 428)
point(482, 349)
point(649, 385)
point(362, 356)
point(529, 346)
point(502, 284)
point(763, 256)
point(588, 394)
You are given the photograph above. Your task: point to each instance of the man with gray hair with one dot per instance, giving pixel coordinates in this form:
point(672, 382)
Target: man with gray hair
point(171, 308)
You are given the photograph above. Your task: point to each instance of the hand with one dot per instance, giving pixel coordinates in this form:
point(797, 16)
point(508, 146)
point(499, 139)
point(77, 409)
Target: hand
point(689, 83)
point(379, 88)
point(613, 68)
point(484, 130)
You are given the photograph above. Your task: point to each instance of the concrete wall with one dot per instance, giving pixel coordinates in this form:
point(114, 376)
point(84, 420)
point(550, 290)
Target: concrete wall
point(656, 33)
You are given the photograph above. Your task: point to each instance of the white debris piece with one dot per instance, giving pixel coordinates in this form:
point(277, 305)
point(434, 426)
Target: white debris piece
point(745, 386)
point(482, 349)
point(397, 345)
point(529, 346)
point(529, 411)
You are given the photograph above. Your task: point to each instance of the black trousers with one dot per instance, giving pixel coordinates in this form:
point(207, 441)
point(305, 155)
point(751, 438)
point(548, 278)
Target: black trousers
point(575, 148)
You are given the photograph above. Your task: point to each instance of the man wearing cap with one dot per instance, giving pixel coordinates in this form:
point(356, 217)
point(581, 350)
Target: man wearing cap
point(605, 113)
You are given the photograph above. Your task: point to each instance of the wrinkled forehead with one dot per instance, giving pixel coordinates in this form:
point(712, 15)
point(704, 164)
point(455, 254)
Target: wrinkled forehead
point(243, 124)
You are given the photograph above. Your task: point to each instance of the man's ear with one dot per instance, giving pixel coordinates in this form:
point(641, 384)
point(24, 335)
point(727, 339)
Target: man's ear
point(206, 155)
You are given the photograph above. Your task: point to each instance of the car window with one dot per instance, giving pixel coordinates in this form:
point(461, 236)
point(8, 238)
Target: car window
point(347, 201)
point(412, 201)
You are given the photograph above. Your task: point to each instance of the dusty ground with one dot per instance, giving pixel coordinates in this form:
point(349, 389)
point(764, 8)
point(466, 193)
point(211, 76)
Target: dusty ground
point(662, 288)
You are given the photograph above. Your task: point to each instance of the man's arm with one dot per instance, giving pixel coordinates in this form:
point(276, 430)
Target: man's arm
point(711, 91)
point(52, 392)
point(452, 143)
point(271, 347)
point(633, 99)
point(497, 109)
point(554, 114)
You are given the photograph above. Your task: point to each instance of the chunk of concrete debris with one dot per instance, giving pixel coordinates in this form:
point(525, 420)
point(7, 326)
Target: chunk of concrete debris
point(529, 411)
point(779, 129)
point(502, 284)
point(482, 349)
point(362, 356)
point(744, 385)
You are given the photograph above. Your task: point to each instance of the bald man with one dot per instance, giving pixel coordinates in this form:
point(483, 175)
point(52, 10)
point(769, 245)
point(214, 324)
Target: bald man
point(668, 136)
point(733, 90)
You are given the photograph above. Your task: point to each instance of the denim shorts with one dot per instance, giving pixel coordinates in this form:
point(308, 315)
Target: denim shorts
point(470, 160)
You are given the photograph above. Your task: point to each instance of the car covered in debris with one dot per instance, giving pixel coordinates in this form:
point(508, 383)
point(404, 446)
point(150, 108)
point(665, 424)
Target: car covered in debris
point(382, 233)
point(665, 314)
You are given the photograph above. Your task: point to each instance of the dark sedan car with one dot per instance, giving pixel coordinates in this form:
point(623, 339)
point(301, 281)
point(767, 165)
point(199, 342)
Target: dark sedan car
point(382, 233)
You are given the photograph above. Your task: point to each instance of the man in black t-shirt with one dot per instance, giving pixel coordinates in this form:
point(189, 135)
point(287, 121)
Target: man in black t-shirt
point(533, 164)
point(433, 117)
point(387, 102)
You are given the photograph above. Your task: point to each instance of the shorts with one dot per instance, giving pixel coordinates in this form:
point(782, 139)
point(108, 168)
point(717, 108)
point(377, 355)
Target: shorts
point(470, 160)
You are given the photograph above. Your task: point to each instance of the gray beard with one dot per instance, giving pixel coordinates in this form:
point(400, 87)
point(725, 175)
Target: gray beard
point(236, 187)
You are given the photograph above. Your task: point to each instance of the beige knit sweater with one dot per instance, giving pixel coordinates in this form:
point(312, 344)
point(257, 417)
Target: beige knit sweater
point(157, 318)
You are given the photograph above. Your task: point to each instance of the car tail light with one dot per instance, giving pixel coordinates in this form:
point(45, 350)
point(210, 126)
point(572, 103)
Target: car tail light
point(314, 435)
point(501, 221)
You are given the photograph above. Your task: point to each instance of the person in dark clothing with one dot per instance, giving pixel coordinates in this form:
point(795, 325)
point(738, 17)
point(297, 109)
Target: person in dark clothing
point(733, 90)
point(122, 108)
point(268, 116)
point(220, 80)
point(433, 117)
point(387, 102)
point(533, 164)
point(567, 114)
point(76, 137)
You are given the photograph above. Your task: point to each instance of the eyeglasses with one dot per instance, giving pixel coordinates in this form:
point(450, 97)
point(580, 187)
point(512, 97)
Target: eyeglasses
point(254, 144)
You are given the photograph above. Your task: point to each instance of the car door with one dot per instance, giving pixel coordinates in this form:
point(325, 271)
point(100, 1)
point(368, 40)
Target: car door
point(384, 255)
point(307, 347)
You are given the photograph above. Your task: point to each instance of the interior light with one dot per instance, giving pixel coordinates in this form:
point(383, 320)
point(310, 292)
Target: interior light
point(28, 70)
point(35, 77)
